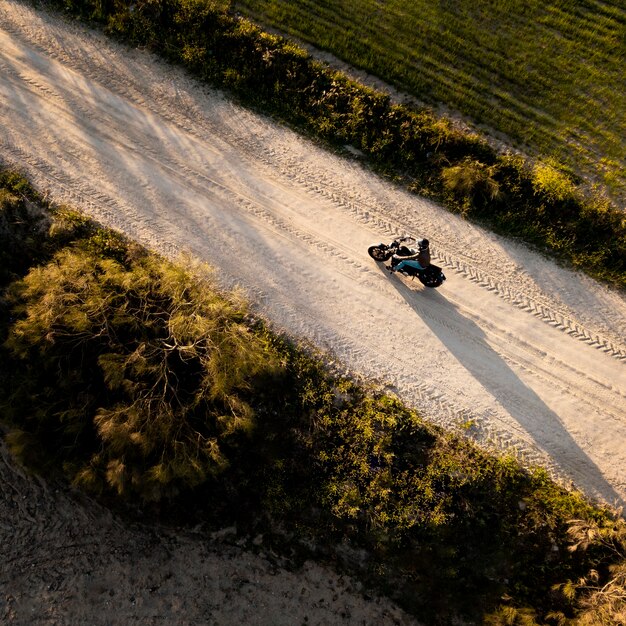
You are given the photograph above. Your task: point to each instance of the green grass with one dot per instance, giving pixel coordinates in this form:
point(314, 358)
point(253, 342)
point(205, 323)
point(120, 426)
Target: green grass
point(548, 74)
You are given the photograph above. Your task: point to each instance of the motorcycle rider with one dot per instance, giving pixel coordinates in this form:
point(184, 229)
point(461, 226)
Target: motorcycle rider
point(419, 260)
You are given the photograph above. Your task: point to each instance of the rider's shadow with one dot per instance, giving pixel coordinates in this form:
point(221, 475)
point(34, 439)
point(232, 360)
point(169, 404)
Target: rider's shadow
point(494, 374)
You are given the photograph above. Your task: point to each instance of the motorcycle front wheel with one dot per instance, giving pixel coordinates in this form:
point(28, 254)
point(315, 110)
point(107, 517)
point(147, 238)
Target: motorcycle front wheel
point(378, 253)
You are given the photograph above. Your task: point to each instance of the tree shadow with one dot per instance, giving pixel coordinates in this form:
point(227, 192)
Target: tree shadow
point(488, 368)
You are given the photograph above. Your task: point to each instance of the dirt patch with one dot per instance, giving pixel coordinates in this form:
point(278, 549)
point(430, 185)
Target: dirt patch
point(67, 560)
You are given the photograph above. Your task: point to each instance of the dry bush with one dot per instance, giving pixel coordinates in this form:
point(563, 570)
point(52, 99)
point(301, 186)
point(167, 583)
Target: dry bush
point(140, 366)
point(600, 596)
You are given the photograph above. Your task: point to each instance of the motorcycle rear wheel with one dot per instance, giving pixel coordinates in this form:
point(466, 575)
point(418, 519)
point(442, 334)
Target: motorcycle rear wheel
point(433, 277)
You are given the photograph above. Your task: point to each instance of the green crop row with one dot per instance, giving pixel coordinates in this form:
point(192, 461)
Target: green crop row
point(549, 75)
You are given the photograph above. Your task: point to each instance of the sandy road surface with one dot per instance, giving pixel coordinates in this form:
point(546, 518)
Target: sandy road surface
point(533, 356)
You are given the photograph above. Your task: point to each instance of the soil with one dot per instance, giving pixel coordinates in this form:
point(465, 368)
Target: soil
point(67, 560)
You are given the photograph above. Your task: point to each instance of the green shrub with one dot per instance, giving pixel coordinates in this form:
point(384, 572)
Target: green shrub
point(139, 374)
point(436, 517)
point(16, 184)
point(552, 184)
point(600, 595)
point(22, 227)
point(471, 183)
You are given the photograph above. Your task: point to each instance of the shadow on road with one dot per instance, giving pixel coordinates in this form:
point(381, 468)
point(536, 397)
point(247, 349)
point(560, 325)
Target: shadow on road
point(467, 342)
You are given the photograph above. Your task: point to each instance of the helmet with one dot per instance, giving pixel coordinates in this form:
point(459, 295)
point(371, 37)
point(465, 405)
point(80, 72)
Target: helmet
point(423, 244)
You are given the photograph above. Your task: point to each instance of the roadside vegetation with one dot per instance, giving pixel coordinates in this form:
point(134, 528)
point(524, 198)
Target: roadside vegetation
point(548, 75)
point(532, 200)
point(136, 380)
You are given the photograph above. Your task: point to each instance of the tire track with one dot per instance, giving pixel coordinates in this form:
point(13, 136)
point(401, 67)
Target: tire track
point(551, 316)
point(325, 188)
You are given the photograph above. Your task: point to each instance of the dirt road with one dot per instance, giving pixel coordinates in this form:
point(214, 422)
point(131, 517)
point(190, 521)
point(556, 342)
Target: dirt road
point(526, 355)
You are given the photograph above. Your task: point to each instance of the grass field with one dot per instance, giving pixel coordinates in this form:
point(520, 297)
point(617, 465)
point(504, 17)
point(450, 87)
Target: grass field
point(549, 74)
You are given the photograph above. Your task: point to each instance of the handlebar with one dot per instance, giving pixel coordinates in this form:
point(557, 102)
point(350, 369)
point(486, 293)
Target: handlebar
point(399, 240)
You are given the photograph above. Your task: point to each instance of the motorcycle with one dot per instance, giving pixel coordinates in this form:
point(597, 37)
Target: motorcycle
point(432, 276)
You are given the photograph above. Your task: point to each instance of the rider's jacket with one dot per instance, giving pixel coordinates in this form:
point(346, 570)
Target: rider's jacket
point(421, 256)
